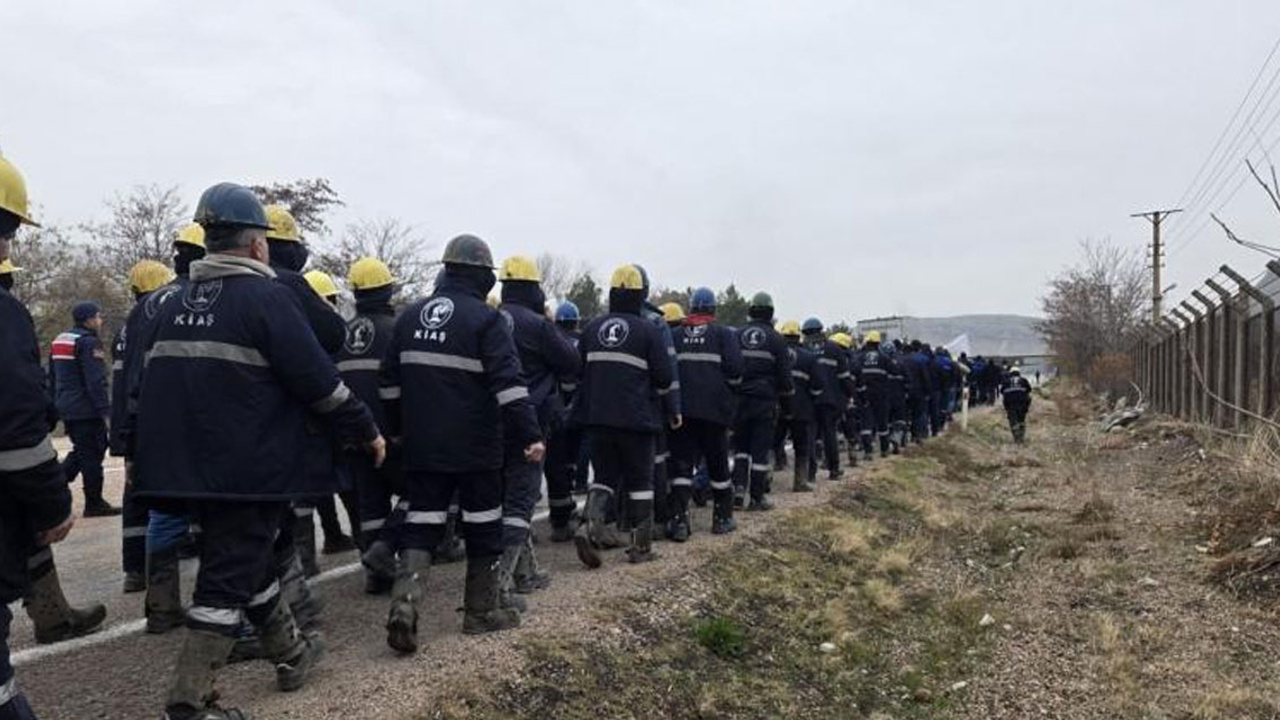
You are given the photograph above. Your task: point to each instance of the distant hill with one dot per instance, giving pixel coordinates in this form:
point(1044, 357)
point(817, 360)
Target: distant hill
point(990, 335)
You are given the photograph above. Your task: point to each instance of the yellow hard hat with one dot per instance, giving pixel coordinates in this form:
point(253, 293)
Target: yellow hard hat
point(789, 328)
point(1015, 370)
point(871, 336)
point(672, 312)
point(13, 193)
point(8, 267)
point(842, 339)
point(368, 273)
point(283, 226)
point(627, 277)
point(520, 268)
point(149, 275)
point(320, 281)
point(191, 234)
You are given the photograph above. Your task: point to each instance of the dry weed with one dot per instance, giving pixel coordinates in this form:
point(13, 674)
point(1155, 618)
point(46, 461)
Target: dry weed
point(882, 596)
point(1097, 509)
point(1232, 703)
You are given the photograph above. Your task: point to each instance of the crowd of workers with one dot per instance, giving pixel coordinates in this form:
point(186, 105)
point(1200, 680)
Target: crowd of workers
point(242, 401)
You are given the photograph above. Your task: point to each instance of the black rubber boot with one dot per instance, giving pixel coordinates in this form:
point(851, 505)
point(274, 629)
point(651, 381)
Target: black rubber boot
point(54, 618)
point(191, 696)
point(164, 592)
point(529, 576)
point(305, 604)
point(722, 521)
point(641, 549)
point(294, 652)
point(507, 562)
point(481, 613)
point(379, 562)
point(592, 533)
point(304, 538)
point(451, 548)
point(406, 600)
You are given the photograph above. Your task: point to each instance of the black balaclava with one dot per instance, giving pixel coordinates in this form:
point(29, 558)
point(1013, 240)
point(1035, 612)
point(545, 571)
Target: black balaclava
point(183, 255)
point(375, 300)
point(288, 255)
point(6, 281)
point(471, 278)
point(626, 301)
point(8, 224)
point(526, 294)
point(763, 314)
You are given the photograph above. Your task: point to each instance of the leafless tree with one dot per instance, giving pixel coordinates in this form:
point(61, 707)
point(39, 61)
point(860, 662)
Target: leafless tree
point(1092, 311)
point(404, 249)
point(141, 226)
point(558, 274)
point(307, 200)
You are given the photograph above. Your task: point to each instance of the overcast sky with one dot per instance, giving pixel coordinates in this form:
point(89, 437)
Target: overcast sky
point(853, 158)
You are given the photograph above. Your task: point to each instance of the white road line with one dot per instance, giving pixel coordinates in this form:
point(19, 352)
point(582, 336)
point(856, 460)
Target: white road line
point(133, 627)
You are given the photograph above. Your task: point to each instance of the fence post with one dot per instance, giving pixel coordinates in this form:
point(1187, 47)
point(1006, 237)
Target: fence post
point(1168, 382)
point(1263, 406)
point(1226, 354)
point(1184, 367)
point(1197, 343)
point(1207, 367)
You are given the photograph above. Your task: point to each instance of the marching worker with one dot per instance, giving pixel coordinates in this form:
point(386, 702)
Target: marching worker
point(564, 445)
point(359, 361)
point(35, 504)
point(233, 379)
point(872, 370)
point(145, 277)
point(673, 315)
point(78, 373)
point(803, 411)
point(766, 382)
point(335, 540)
point(919, 390)
point(451, 381)
point(7, 269)
point(897, 397)
point(1017, 401)
point(710, 373)
point(546, 358)
point(851, 417)
point(626, 368)
point(832, 373)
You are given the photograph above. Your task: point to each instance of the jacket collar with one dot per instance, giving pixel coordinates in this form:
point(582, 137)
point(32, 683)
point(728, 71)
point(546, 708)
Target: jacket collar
point(219, 266)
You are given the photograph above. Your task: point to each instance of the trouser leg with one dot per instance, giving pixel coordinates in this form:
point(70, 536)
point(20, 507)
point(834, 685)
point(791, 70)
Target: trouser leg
point(481, 496)
point(133, 535)
point(713, 447)
point(304, 537)
point(741, 470)
point(684, 460)
point(89, 438)
point(522, 482)
point(759, 443)
point(827, 418)
point(802, 446)
point(780, 429)
point(880, 416)
point(661, 478)
point(327, 510)
point(13, 704)
point(638, 459)
point(561, 467)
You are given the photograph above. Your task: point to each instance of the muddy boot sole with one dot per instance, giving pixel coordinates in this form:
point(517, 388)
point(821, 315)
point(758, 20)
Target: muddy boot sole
point(492, 621)
point(292, 677)
point(586, 552)
point(402, 630)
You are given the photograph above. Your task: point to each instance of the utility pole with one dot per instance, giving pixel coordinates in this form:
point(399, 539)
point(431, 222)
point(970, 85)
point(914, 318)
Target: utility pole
point(1155, 217)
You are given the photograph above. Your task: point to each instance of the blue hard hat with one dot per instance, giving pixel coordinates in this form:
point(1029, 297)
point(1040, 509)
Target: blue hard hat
point(811, 326)
point(229, 204)
point(702, 300)
point(567, 312)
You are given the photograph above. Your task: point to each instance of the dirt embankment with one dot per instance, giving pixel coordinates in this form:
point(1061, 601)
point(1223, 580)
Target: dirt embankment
point(1082, 576)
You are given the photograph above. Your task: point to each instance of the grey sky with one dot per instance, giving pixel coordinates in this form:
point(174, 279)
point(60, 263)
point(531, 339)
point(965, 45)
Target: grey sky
point(854, 158)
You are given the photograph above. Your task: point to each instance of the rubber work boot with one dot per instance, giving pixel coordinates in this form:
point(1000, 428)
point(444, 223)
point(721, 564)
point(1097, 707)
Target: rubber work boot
point(800, 478)
point(722, 521)
point(760, 504)
point(295, 590)
point(379, 562)
point(304, 538)
point(641, 549)
point(248, 645)
point(164, 593)
point(507, 562)
point(406, 599)
point(529, 575)
point(54, 619)
point(481, 613)
point(294, 652)
point(191, 695)
point(134, 582)
point(591, 534)
point(97, 507)
point(564, 533)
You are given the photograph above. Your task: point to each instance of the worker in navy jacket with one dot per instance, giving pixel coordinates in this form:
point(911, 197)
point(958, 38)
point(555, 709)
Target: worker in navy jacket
point(766, 382)
point(451, 379)
point(234, 384)
point(802, 410)
point(711, 368)
point(35, 505)
point(624, 400)
point(838, 389)
point(78, 381)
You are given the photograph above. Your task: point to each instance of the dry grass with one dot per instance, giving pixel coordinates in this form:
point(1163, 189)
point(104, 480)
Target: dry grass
point(882, 596)
point(1234, 703)
point(1096, 509)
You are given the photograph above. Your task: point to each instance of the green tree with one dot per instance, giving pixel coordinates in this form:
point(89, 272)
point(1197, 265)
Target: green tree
point(307, 200)
point(586, 294)
point(663, 295)
point(732, 308)
point(842, 327)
